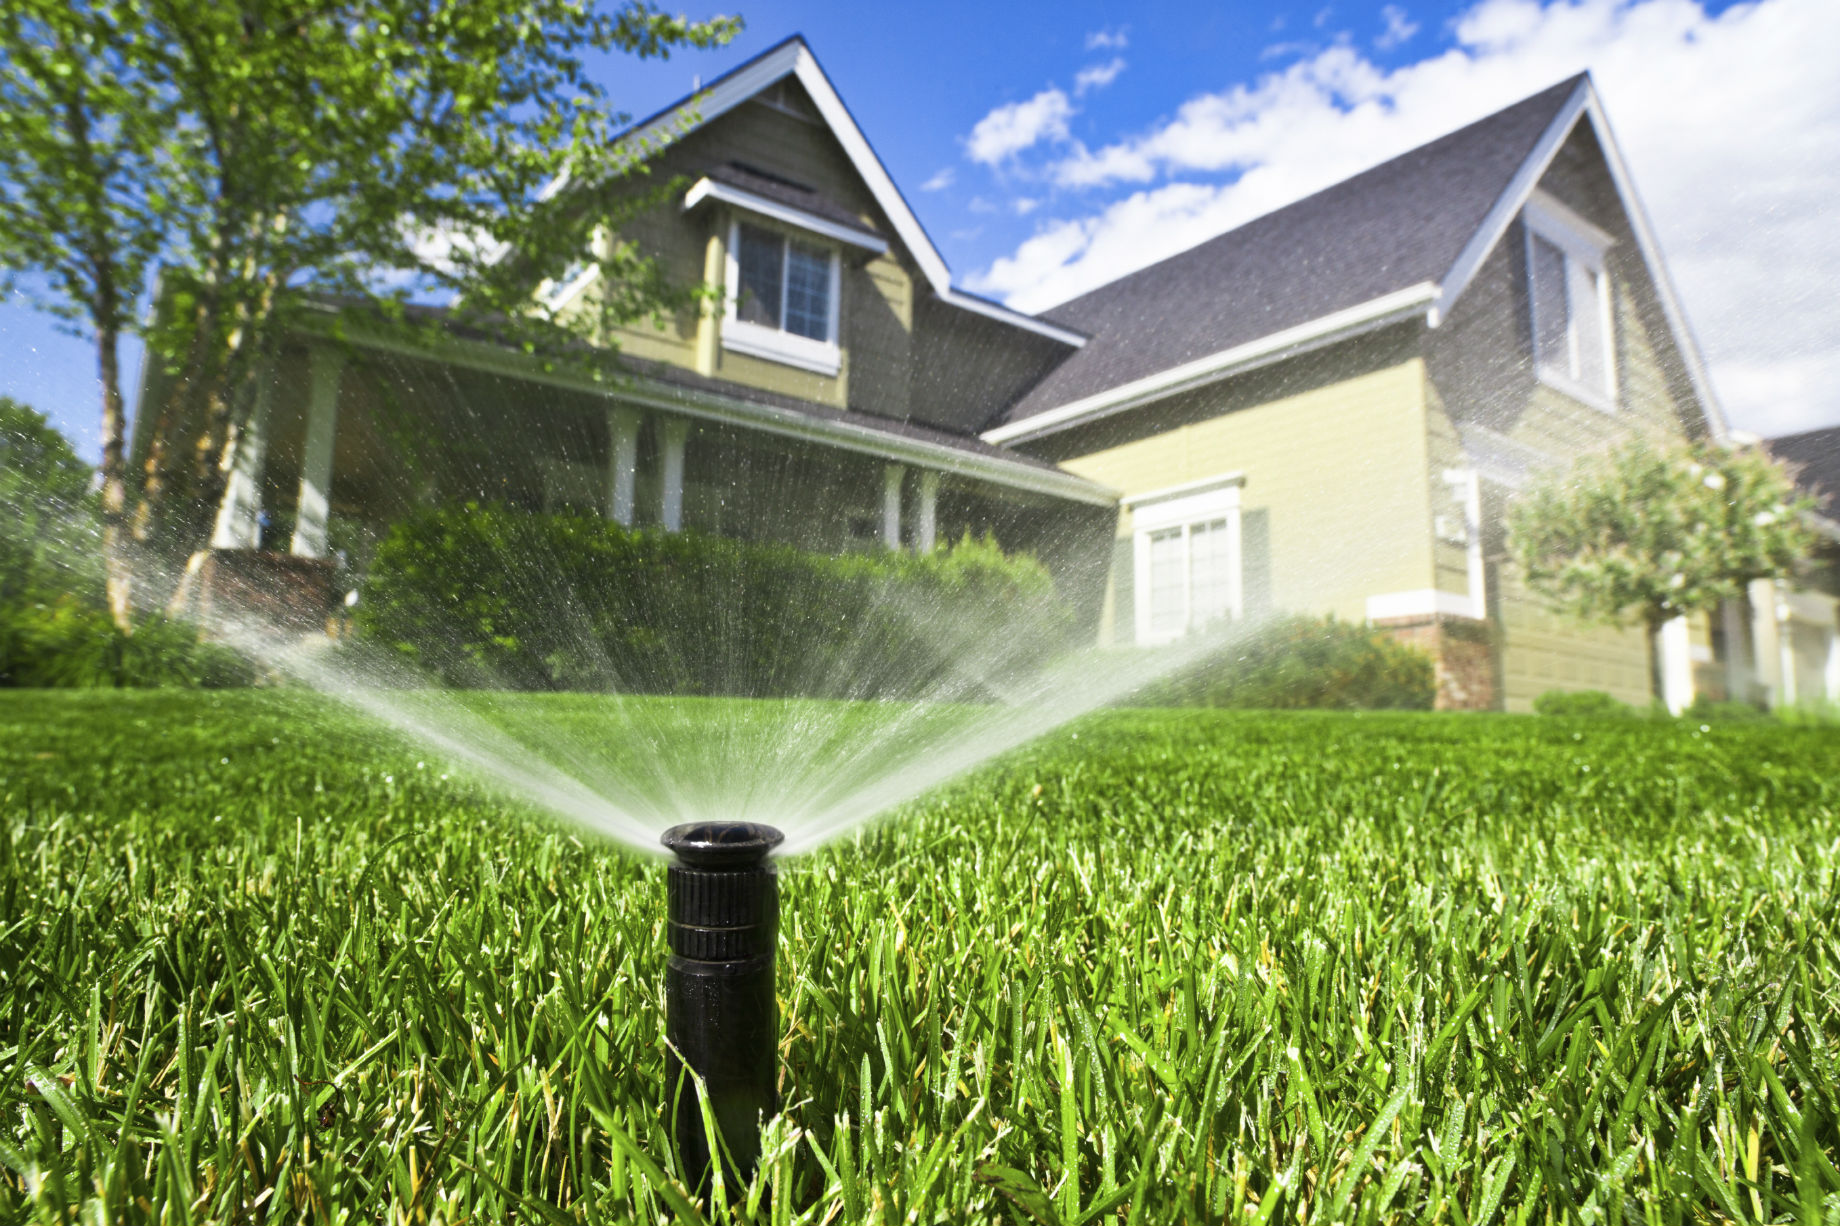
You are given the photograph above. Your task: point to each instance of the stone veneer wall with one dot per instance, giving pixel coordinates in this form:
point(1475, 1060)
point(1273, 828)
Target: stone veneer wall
point(1463, 650)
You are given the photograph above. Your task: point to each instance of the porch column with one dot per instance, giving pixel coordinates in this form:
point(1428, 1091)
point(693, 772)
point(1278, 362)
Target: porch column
point(671, 489)
point(239, 513)
point(623, 467)
point(314, 508)
point(926, 528)
point(892, 475)
point(1676, 665)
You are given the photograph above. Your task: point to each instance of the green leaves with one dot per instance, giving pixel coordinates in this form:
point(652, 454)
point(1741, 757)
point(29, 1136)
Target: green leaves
point(1645, 534)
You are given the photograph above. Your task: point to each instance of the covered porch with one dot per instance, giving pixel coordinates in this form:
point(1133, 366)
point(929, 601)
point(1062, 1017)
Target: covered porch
point(346, 437)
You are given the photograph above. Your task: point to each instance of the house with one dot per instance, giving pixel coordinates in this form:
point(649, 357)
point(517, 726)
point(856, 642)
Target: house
point(1321, 411)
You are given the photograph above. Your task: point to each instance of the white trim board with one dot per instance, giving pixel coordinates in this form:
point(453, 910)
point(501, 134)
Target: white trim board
point(1422, 602)
point(709, 189)
point(1393, 308)
point(793, 58)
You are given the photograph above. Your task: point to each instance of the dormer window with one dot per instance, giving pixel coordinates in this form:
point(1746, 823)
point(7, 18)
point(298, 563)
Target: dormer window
point(782, 298)
point(784, 282)
point(1574, 340)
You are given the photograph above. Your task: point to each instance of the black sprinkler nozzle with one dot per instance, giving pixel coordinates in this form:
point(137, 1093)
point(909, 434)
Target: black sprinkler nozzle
point(721, 1016)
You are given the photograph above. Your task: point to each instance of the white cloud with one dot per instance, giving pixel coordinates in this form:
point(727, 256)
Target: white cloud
point(1729, 122)
point(941, 180)
point(1016, 126)
point(1097, 76)
point(1108, 40)
point(1022, 206)
point(1399, 28)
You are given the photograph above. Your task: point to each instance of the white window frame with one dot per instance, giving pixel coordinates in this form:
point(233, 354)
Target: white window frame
point(1582, 243)
point(824, 357)
point(1185, 506)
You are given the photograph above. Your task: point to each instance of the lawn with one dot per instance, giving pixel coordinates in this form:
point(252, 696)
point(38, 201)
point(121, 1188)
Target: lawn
point(257, 967)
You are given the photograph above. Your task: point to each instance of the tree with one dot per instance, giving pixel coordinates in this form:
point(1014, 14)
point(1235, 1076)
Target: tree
point(46, 515)
point(274, 152)
point(79, 206)
point(1642, 535)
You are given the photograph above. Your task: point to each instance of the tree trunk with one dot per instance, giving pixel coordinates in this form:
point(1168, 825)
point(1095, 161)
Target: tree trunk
point(117, 564)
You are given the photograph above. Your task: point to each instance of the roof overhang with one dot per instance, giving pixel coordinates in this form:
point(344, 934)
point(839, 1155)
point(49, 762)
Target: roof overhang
point(1432, 301)
point(709, 189)
point(1384, 311)
point(841, 435)
point(1584, 103)
point(793, 58)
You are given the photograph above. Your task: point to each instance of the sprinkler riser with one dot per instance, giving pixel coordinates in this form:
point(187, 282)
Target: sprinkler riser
point(721, 1012)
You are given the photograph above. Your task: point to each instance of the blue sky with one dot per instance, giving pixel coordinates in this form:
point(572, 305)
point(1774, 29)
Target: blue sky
point(1049, 147)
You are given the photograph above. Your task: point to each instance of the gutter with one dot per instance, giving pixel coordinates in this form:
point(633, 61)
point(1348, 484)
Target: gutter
point(1412, 302)
point(767, 419)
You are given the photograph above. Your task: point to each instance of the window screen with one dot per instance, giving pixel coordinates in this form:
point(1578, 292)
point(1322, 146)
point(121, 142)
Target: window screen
point(760, 260)
point(1584, 296)
point(1210, 573)
point(808, 291)
point(1551, 321)
point(1168, 604)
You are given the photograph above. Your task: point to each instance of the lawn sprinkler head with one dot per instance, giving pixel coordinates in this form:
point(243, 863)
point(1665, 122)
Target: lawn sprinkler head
point(721, 1017)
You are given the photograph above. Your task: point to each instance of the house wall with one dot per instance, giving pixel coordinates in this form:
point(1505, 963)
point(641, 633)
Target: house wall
point(1332, 446)
point(1480, 373)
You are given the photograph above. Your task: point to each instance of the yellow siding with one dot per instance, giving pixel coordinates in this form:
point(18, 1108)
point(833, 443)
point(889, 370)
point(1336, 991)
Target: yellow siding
point(1339, 470)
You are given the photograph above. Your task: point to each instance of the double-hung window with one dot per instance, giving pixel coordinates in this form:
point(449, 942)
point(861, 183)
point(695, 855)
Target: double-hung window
point(1186, 552)
point(782, 298)
point(1574, 341)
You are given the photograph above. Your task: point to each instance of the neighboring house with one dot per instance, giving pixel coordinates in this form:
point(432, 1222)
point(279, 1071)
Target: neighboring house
point(1797, 643)
point(1322, 411)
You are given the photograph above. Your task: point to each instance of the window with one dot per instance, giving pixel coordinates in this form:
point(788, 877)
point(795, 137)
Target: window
point(1187, 557)
point(783, 295)
point(1573, 339)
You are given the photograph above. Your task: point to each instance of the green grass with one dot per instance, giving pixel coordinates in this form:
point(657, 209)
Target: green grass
point(255, 967)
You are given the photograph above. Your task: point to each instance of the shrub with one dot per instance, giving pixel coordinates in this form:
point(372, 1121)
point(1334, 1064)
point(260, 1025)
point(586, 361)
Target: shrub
point(1296, 661)
point(493, 596)
point(1729, 711)
point(67, 643)
point(1584, 704)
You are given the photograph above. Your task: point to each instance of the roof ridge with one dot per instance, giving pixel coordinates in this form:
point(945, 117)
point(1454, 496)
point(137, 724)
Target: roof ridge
point(1560, 91)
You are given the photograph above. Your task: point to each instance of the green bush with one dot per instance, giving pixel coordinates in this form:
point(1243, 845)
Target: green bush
point(493, 596)
point(1729, 711)
point(1297, 662)
point(67, 643)
point(1584, 704)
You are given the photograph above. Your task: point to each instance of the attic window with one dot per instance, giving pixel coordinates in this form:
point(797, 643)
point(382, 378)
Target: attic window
point(782, 298)
point(1574, 340)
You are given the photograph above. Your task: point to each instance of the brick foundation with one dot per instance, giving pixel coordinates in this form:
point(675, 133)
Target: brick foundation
point(275, 589)
point(1463, 651)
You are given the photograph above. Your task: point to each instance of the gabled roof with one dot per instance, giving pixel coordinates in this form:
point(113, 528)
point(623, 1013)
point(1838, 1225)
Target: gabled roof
point(1815, 455)
point(792, 58)
point(1400, 241)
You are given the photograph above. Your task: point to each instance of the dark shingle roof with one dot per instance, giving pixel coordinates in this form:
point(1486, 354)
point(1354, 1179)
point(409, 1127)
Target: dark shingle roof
point(1816, 456)
point(784, 191)
point(1400, 224)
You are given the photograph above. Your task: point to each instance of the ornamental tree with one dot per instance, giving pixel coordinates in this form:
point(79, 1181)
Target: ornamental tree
point(1640, 535)
point(265, 152)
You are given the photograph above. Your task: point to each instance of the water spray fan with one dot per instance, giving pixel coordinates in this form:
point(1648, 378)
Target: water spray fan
point(721, 1016)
